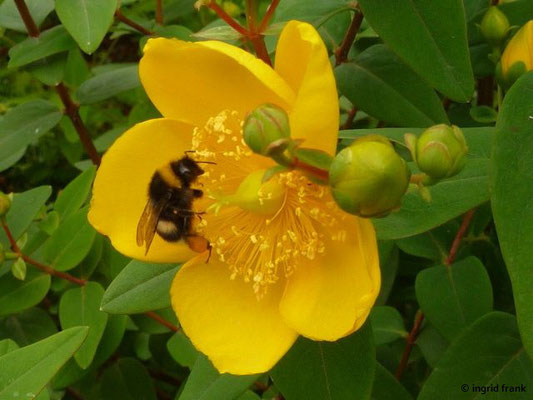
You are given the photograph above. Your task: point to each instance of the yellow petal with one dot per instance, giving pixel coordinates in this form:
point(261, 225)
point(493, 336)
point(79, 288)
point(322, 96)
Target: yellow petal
point(302, 60)
point(120, 190)
point(331, 296)
point(194, 81)
point(223, 318)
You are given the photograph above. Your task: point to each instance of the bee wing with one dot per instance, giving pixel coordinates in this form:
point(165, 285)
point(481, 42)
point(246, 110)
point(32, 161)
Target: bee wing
point(147, 225)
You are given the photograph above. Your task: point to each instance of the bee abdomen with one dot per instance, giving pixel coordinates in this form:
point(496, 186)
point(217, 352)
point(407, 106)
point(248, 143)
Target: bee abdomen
point(168, 230)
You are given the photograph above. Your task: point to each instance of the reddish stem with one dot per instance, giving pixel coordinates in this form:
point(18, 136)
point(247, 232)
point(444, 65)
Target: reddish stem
point(159, 12)
point(162, 321)
point(341, 54)
point(317, 172)
point(467, 218)
point(260, 48)
point(122, 18)
point(227, 18)
point(31, 26)
point(410, 342)
point(268, 15)
point(349, 119)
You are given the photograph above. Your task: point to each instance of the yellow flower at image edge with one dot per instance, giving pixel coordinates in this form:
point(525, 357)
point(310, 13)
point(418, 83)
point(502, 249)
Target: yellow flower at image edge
point(518, 55)
point(286, 261)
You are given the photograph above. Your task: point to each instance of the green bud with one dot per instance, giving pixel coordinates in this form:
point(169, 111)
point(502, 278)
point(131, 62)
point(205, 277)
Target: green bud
point(369, 178)
point(5, 204)
point(494, 25)
point(266, 130)
point(441, 151)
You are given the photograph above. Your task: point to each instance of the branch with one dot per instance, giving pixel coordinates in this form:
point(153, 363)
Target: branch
point(349, 118)
point(71, 109)
point(31, 26)
point(227, 18)
point(268, 15)
point(45, 268)
point(122, 18)
point(341, 53)
point(159, 12)
point(162, 321)
point(413, 335)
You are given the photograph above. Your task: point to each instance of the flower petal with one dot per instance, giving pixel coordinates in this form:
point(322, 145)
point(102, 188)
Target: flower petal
point(302, 60)
point(120, 190)
point(194, 81)
point(331, 297)
point(223, 318)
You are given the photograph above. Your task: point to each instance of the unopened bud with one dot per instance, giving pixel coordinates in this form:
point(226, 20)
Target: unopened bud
point(517, 57)
point(266, 130)
point(441, 151)
point(494, 25)
point(5, 204)
point(369, 178)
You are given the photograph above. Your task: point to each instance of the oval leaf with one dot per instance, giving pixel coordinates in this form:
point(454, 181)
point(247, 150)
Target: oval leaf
point(127, 379)
point(86, 20)
point(430, 36)
point(10, 16)
point(445, 294)
point(108, 84)
point(81, 306)
point(387, 324)
point(380, 84)
point(512, 197)
point(28, 370)
point(18, 295)
point(75, 193)
point(328, 370)
point(139, 287)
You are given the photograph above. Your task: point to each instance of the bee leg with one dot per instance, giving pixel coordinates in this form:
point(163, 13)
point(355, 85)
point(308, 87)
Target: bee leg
point(197, 193)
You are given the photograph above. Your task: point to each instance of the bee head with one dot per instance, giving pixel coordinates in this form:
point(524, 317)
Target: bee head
point(187, 170)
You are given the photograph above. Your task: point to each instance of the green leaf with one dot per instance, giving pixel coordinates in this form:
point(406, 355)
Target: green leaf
point(10, 17)
point(430, 36)
point(51, 41)
point(86, 20)
point(205, 383)
point(28, 370)
point(23, 125)
point(387, 324)
point(328, 370)
point(432, 344)
point(310, 11)
point(380, 84)
point(512, 197)
point(488, 353)
point(18, 295)
point(28, 326)
point(24, 208)
point(182, 350)
point(483, 114)
point(450, 198)
point(18, 269)
point(139, 287)
point(50, 70)
point(6, 346)
point(127, 379)
point(70, 243)
point(453, 297)
point(81, 306)
point(387, 387)
point(108, 84)
point(76, 70)
point(75, 193)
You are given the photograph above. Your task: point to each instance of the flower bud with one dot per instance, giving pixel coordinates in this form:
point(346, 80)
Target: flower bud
point(266, 130)
point(517, 57)
point(441, 151)
point(494, 25)
point(369, 178)
point(5, 204)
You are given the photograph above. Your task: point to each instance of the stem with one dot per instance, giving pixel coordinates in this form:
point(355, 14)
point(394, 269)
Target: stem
point(31, 26)
point(230, 21)
point(317, 172)
point(485, 91)
point(409, 344)
point(258, 42)
point(162, 321)
point(341, 53)
point(349, 119)
point(413, 335)
point(71, 109)
point(159, 12)
point(45, 268)
point(122, 18)
point(251, 15)
point(467, 218)
point(268, 15)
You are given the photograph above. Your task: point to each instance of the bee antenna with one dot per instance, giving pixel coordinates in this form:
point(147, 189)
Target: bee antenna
point(189, 151)
point(206, 162)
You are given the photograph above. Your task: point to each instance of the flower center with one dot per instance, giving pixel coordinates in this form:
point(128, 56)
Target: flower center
point(265, 231)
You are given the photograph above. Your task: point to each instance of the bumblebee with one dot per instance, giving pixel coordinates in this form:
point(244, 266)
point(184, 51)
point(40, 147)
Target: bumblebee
point(169, 208)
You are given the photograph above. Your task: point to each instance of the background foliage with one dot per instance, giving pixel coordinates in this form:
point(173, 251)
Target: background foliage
point(80, 321)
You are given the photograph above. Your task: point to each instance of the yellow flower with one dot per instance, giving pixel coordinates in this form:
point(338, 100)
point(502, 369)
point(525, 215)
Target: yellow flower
point(285, 261)
point(518, 55)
